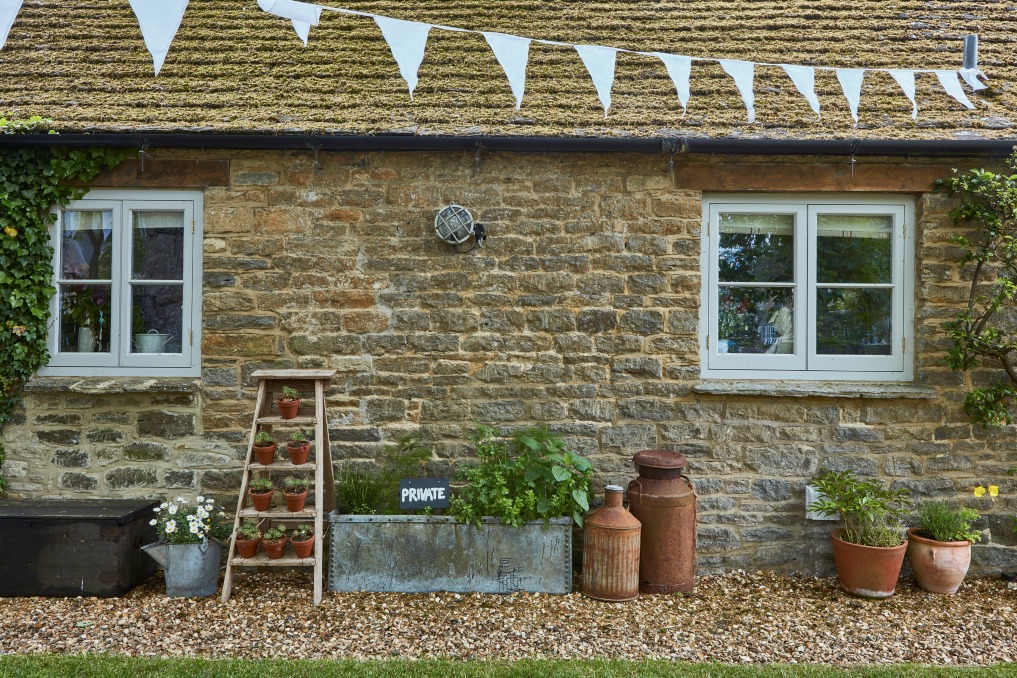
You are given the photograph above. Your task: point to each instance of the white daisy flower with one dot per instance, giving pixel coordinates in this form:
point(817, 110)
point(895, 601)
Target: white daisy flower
point(171, 527)
point(199, 499)
point(202, 513)
point(194, 529)
point(172, 509)
point(153, 521)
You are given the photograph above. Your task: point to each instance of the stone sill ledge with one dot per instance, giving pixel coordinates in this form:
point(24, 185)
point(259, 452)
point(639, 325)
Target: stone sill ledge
point(112, 385)
point(817, 389)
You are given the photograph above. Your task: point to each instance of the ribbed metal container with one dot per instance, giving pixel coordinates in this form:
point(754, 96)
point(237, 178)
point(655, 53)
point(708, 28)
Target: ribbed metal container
point(611, 551)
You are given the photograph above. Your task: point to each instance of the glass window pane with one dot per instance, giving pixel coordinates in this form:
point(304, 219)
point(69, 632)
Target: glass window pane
point(157, 313)
point(158, 246)
point(854, 248)
point(756, 247)
point(86, 245)
point(854, 322)
point(84, 318)
point(756, 320)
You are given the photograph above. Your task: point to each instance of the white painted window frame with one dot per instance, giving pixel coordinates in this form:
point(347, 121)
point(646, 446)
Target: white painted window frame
point(805, 364)
point(120, 361)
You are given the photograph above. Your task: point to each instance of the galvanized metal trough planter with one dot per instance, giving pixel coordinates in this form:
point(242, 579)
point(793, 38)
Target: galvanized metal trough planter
point(418, 554)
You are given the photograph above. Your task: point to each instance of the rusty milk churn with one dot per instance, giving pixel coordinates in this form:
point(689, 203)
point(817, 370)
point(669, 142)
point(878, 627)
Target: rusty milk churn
point(664, 501)
point(611, 551)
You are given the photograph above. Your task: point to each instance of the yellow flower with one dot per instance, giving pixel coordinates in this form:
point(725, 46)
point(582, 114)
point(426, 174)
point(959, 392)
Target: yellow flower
point(11, 231)
point(993, 490)
point(979, 491)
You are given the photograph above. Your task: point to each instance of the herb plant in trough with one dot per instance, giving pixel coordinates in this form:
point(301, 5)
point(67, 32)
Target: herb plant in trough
point(376, 491)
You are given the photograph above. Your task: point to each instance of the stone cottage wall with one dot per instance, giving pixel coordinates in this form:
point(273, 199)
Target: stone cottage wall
point(580, 311)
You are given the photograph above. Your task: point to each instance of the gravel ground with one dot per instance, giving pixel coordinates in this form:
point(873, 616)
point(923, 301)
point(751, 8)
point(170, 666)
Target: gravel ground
point(738, 617)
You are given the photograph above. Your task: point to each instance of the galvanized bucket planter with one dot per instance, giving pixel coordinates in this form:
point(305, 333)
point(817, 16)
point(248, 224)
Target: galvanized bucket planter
point(192, 570)
point(419, 554)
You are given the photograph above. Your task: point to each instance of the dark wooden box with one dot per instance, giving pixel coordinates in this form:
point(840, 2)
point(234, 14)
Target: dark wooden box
point(75, 547)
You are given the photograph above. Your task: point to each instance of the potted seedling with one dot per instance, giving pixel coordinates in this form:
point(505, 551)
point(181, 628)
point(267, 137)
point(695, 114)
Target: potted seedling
point(289, 403)
point(247, 537)
point(298, 447)
point(261, 492)
point(274, 541)
point(295, 493)
point(264, 447)
point(302, 539)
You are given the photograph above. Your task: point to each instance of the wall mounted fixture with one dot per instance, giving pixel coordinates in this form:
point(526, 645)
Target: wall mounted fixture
point(454, 224)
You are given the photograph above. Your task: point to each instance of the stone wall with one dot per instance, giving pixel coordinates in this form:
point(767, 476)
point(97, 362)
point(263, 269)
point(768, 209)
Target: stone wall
point(581, 311)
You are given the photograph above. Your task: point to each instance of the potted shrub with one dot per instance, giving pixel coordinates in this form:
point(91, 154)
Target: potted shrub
point(298, 447)
point(247, 538)
point(302, 539)
point(289, 403)
point(261, 492)
point(189, 549)
point(274, 541)
point(939, 549)
point(295, 493)
point(869, 547)
point(264, 447)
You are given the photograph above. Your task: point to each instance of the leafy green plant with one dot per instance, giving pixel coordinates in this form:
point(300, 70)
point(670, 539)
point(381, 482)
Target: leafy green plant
point(263, 438)
point(261, 485)
point(871, 514)
point(376, 492)
point(295, 485)
point(534, 477)
point(941, 522)
point(275, 533)
point(180, 522)
point(302, 532)
point(299, 437)
point(289, 394)
point(248, 531)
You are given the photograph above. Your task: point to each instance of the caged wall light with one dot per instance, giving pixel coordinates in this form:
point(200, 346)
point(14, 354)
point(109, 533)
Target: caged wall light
point(454, 224)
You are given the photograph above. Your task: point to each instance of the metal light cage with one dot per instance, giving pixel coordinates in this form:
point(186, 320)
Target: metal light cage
point(453, 224)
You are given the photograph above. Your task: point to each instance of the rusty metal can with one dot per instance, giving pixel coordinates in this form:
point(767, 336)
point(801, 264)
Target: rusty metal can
point(611, 551)
point(664, 500)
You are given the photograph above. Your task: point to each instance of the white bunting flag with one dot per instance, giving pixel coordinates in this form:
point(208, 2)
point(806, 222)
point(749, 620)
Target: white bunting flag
point(851, 83)
point(804, 78)
point(8, 13)
point(678, 67)
point(743, 73)
point(906, 80)
point(513, 53)
point(599, 63)
point(159, 21)
point(970, 75)
point(407, 40)
point(949, 81)
point(302, 14)
point(303, 30)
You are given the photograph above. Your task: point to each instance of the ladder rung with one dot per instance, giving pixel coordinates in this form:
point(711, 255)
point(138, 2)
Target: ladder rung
point(276, 420)
point(261, 560)
point(278, 515)
point(281, 466)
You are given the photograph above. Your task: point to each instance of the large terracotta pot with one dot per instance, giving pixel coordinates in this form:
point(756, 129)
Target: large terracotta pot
point(299, 452)
point(295, 500)
point(262, 501)
point(939, 566)
point(265, 454)
point(247, 548)
point(288, 408)
point(867, 571)
point(303, 548)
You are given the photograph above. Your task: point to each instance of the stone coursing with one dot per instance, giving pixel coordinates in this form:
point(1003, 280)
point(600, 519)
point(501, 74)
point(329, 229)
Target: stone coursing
point(580, 311)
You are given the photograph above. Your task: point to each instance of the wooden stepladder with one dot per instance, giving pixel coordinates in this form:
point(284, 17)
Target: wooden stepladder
point(271, 383)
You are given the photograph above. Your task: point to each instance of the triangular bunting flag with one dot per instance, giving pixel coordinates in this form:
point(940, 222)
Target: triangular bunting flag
point(906, 80)
point(407, 40)
point(804, 78)
point(970, 76)
point(678, 67)
point(159, 21)
point(851, 83)
point(512, 53)
point(743, 73)
point(8, 13)
point(599, 62)
point(949, 81)
point(302, 14)
point(303, 30)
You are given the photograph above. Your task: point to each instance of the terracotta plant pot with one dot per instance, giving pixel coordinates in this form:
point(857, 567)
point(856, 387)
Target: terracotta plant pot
point(265, 454)
point(867, 571)
point(303, 548)
point(262, 501)
point(298, 452)
point(939, 566)
point(274, 549)
point(295, 502)
point(288, 408)
point(247, 548)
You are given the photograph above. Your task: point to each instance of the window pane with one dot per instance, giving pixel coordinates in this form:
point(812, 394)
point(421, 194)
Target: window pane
point(157, 318)
point(854, 322)
point(84, 318)
point(757, 320)
point(854, 248)
point(158, 245)
point(756, 247)
point(86, 245)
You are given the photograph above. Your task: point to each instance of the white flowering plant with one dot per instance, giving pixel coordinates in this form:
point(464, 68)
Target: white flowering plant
point(183, 522)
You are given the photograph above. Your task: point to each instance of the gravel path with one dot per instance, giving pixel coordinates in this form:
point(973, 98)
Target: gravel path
point(739, 617)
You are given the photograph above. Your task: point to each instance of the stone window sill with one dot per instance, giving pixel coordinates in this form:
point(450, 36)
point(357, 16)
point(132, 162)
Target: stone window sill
point(817, 389)
point(112, 385)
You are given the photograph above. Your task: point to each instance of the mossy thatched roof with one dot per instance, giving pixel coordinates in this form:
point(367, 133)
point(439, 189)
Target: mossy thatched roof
point(236, 69)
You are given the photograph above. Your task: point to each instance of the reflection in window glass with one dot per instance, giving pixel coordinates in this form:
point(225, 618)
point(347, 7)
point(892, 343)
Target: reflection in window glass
point(84, 318)
point(854, 321)
point(86, 245)
point(158, 246)
point(756, 247)
point(854, 248)
point(756, 320)
point(157, 318)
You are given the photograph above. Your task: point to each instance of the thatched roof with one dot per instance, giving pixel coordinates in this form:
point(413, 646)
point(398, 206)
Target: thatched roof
point(235, 69)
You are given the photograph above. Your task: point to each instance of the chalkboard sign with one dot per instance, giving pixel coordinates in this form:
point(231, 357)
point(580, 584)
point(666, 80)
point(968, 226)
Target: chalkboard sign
point(421, 493)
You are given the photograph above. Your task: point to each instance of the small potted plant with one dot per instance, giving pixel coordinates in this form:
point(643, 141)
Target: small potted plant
point(264, 447)
point(295, 493)
point(869, 547)
point(289, 403)
point(274, 541)
point(298, 447)
point(261, 492)
point(247, 537)
point(302, 539)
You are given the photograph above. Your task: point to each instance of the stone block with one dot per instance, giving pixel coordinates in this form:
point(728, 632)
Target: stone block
point(64, 418)
point(596, 320)
point(647, 409)
point(376, 410)
point(717, 539)
point(772, 490)
point(59, 437)
point(145, 451)
point(505, 410)
point(858, 433)
point(71, 459)
point(131, 476)
point(784, 460)
point(239, 345)
point(642, 322)
point(647, 367)
point(78, 482)
point(105, 436)
point(162, 424)
point(178, 479)
point(862, 466)
point(227, 481)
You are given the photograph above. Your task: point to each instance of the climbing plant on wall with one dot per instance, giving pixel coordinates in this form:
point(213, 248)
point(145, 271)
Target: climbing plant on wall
point(33, 180)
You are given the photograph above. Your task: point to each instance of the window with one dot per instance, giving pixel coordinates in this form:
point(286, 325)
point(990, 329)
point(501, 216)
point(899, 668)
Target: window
point(807, 287)
point(126, 271)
